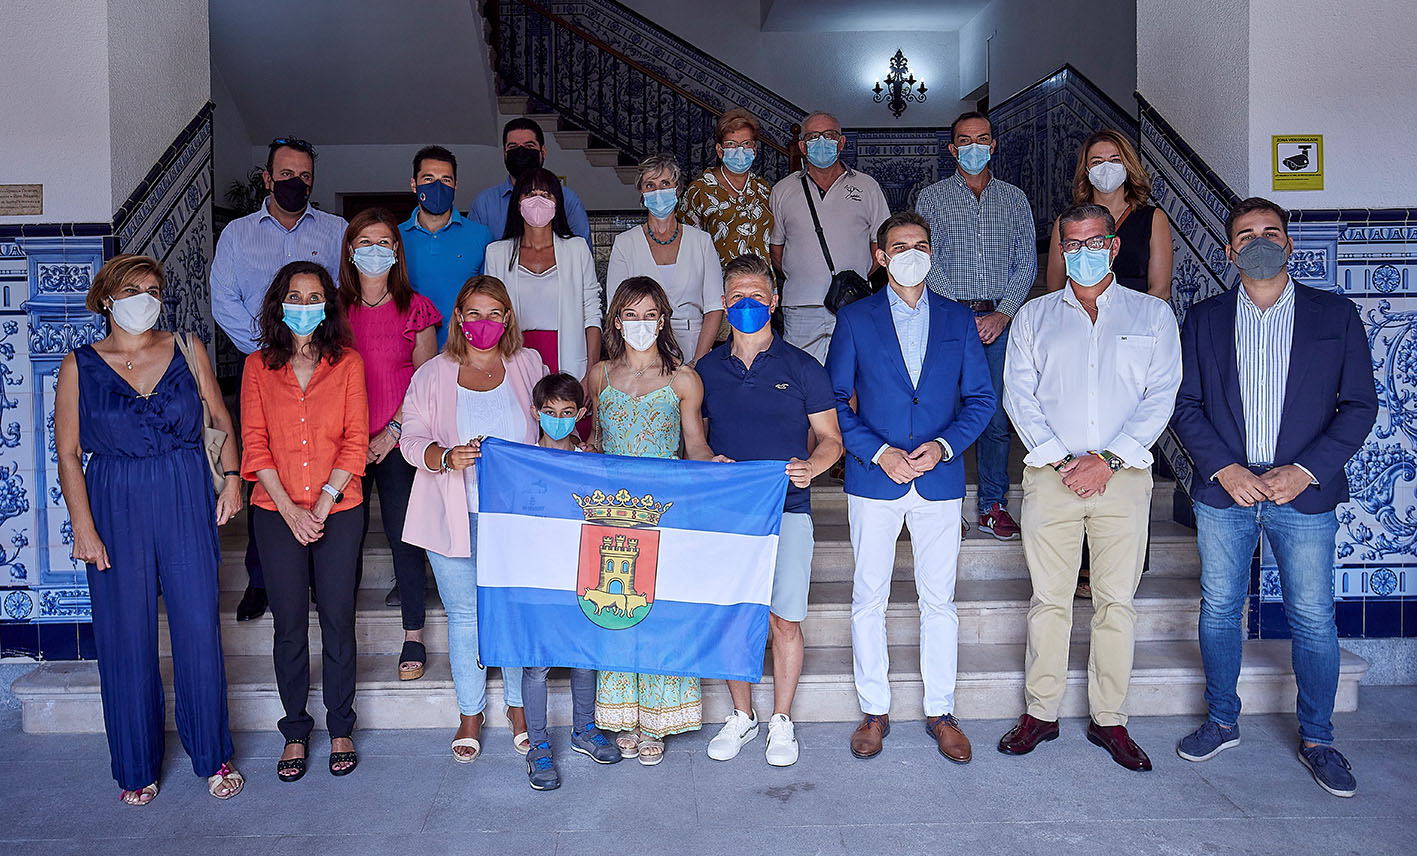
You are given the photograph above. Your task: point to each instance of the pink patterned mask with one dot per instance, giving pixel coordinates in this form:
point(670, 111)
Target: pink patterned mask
point(484, 333)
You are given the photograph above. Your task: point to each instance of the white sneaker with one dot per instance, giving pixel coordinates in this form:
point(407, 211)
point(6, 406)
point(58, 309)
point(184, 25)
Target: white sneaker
point(737, 730)
point(782, 741)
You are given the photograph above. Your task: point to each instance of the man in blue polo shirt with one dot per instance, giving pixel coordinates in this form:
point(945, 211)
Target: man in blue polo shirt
point(443, 248)
point(761, 397)
point(523, 147)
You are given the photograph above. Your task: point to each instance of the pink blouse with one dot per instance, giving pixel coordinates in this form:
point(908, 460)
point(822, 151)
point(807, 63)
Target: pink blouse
point(384, 338)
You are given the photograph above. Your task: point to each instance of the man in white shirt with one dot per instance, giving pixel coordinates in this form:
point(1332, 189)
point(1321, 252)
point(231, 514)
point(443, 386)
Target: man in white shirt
point(1090, 381)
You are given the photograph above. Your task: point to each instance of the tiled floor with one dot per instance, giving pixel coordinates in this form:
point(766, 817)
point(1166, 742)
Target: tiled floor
point(408, 797)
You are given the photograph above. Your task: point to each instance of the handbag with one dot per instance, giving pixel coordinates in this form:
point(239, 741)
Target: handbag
point(846, 286)
point(213, 438)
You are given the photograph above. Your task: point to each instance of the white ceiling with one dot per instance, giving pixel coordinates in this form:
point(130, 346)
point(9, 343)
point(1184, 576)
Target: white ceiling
point(836, 16)
point(357, 71)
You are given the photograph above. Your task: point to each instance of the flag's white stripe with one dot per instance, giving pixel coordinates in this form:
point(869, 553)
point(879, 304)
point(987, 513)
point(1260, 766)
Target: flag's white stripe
point(515, 550)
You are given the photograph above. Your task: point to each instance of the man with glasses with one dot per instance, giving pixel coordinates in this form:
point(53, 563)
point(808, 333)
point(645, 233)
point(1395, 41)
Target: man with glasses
point(251, 249)
point(850, 207)
point(523, 147)
point(986, 257)
point(1090, 382)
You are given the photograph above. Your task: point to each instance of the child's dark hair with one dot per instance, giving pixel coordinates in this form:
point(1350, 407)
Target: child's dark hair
point(558, 387)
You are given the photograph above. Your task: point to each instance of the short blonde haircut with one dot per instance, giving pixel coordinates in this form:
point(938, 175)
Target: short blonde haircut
point(457, 346)
point(118, 273)
point(736, 120)
point(1138, 181)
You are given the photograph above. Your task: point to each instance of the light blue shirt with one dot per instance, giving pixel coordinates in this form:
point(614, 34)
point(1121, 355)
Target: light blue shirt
point(440, 262)
point(1263, 341)
point(252, 250)
point(912, 331)
point(984, 247)
point(490, 209)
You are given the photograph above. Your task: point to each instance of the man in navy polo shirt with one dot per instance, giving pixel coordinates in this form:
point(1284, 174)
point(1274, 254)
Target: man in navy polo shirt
point(761, 397)
point(443, 248)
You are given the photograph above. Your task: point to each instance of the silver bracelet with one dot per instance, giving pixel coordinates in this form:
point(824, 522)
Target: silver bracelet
point(443, 461)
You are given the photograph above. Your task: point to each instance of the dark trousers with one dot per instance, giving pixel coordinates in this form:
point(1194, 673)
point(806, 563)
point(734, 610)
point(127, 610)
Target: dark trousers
point(287, 563)
point(393, 478)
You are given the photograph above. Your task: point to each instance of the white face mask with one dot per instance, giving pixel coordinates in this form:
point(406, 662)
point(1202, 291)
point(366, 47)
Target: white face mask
point(640, 335)
point(1107, 176)
point(908, 267)
point(136, 314)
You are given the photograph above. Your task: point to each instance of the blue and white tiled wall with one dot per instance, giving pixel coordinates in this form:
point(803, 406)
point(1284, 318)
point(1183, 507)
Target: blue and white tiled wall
point(45, 272)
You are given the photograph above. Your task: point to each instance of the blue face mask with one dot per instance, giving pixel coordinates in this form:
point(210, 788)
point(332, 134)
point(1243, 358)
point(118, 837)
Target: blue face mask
point(557, 427)
point(748, 315)
point(821, 152)
point(374, 259)
point(301, 319)
point(661, 202)
point(738, 160)
point(1088, 267)
point(435, 197)
point(974, 157)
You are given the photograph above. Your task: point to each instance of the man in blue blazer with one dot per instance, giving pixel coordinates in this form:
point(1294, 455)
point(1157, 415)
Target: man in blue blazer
point(912, 389)
point(1278, 394)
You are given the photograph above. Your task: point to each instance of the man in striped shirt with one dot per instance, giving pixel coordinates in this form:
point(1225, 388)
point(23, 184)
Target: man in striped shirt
point(1277, 395)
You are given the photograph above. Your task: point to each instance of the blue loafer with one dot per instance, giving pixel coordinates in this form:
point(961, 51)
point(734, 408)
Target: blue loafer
point(1331, 770)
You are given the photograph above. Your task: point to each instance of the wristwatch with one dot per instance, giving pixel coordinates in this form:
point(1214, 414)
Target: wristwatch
point(336, 495)
point(1114, 463)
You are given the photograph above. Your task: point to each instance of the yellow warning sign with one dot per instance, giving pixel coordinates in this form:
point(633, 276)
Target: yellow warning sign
point(1298, 161)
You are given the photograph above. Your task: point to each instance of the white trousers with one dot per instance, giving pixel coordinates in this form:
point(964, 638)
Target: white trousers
point(934, 538)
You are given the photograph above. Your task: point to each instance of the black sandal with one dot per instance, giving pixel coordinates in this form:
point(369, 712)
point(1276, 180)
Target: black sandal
point(350, 758)
point(296, 764)
point(413, 652)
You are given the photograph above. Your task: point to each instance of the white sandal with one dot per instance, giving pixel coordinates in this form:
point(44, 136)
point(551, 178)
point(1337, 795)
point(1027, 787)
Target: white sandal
point(521, 741)
point(226, 773)
point(466, 743)
point(150, 790)
point(628, 742)
point(656, 753)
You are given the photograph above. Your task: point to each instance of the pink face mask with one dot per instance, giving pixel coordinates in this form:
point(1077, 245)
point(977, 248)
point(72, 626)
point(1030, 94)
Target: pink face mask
point(484, 333)
point(538, 210)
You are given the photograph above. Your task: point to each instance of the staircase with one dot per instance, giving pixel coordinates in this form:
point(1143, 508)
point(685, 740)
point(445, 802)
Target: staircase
point(992, 596)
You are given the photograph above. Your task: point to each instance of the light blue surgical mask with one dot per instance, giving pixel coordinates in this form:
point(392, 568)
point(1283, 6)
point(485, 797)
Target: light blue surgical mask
point(738, 159)
point(821, 152)
point(557, 427)
point(1088, 267)
point(974, 157)
point(661, 202)
point(374, 259)
point(302, 319)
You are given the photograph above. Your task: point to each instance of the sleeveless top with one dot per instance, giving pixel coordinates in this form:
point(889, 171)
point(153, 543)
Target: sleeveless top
point(115, 421)
point(1130, 266)
point(647, 426)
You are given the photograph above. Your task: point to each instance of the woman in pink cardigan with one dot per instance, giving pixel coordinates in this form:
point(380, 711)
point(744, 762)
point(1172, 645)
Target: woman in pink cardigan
point(479, 386)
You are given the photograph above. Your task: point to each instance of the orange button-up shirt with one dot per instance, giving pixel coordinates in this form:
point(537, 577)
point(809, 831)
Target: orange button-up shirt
point(306, 434)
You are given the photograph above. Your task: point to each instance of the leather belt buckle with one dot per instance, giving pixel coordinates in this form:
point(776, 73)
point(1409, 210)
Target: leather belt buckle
point(981, 307)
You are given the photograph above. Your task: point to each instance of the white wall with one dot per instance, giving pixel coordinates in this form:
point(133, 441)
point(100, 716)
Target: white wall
point(1344, 69)
point(158, 78)
point(55, 129)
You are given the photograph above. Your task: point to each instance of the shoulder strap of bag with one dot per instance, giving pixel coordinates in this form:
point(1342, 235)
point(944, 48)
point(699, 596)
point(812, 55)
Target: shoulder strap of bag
point(184, 345)
point(821, 236)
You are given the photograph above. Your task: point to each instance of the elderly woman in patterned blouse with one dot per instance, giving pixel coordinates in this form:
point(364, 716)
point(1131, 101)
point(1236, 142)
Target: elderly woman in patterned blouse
point(730, 201)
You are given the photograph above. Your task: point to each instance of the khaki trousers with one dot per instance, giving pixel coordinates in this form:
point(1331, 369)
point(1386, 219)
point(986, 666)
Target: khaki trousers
point(1053, 520)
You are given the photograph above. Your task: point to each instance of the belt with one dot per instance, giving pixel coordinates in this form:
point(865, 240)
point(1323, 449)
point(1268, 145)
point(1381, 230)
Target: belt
point(1259, 469)
point(980, 307)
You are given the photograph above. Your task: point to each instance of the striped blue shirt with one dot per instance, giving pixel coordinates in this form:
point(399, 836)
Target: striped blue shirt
point(912, 331)
point(249, 253)
point(984, 248)
point(1263, 340)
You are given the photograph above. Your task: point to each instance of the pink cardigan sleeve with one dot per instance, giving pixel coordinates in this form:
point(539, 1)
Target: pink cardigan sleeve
point(419, 413)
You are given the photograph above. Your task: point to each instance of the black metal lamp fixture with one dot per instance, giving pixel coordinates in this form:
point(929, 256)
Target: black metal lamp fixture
point(901, 86)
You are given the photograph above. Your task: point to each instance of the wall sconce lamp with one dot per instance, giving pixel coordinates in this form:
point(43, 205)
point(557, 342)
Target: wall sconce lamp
point(901, 86)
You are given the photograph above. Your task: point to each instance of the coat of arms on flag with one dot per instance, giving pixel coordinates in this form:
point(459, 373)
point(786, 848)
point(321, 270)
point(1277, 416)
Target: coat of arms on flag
point(619, 553)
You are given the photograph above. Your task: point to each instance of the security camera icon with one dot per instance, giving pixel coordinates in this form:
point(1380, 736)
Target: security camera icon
point(1294, 163)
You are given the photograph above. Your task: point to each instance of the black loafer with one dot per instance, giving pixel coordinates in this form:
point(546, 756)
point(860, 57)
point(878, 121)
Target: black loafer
point(253, 604)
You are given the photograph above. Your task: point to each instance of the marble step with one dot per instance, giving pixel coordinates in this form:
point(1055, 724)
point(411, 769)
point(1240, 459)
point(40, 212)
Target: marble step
point(1167, 680)
point(990, 611)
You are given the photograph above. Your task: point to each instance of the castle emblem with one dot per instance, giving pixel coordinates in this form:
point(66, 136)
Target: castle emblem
point(618, 558)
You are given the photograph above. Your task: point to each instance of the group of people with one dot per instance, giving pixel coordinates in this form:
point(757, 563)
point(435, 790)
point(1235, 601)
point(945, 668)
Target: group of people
point(381, 354)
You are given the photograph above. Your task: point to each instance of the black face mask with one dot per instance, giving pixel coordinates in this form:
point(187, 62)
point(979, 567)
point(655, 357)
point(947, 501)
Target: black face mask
point(521, 159)
point(291, 194)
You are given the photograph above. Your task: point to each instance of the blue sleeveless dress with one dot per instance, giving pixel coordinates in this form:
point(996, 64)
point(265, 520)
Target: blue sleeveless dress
point(154, 508)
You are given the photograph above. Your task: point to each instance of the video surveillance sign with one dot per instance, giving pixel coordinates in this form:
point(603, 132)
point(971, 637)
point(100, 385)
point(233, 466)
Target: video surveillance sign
point(1298, 162)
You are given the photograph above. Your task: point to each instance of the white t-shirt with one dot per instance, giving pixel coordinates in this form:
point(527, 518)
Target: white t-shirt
point(537, 298)
point(851, 211)
point(493, 413)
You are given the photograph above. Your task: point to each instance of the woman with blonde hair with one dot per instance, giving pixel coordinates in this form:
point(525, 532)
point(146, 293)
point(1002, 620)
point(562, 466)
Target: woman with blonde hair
point(1110, 174)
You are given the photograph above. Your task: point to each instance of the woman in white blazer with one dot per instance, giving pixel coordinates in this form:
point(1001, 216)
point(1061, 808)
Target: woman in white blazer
point(679, 257)
point(550, 275)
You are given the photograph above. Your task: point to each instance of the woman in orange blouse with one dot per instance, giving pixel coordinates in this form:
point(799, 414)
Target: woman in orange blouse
point(305, 428)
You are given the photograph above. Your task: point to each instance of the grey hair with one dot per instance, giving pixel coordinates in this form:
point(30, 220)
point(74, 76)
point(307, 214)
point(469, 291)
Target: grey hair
point(749, 264)
point(662, 162)
point(819, 114)
point(1087, 211)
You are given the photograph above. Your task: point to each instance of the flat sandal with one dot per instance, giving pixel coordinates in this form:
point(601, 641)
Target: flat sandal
point(296, 764)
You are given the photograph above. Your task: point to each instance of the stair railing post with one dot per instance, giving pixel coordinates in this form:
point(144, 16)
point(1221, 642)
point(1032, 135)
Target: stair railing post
point(794, 153)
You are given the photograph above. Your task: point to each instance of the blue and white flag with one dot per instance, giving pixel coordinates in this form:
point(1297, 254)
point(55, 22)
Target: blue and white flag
point(625, 564)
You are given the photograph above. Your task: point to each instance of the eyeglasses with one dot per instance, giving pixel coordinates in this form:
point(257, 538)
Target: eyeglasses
point(730, 145)
point(813, 136)
point(293, 142)
point(1096, 242)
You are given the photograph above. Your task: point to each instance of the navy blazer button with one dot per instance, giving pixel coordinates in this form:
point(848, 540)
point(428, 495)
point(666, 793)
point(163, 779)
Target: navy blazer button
point(914, 401)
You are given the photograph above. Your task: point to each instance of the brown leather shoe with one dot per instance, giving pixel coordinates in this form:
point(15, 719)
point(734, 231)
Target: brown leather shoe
point(866, 739)
point(1119, 745)
point(952, 742)
point(1027, 734)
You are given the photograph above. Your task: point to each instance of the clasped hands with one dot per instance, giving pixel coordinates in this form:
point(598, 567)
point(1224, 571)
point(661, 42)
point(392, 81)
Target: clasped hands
point(903, 467)
point(1279, 485)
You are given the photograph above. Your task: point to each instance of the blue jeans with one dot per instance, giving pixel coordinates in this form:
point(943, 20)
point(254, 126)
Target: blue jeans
point(457, 586)
point(1303, 547)
point(991, 450)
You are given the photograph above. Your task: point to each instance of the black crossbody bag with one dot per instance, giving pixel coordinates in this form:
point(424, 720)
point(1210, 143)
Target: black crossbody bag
point(847, 286)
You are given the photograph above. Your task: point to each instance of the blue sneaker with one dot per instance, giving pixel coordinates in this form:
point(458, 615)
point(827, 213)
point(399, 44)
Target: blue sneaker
point(1330, 769)
point(1209, 740)
point(541, 768)
point(592, 741)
